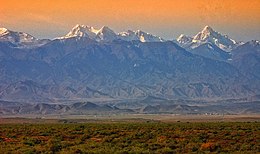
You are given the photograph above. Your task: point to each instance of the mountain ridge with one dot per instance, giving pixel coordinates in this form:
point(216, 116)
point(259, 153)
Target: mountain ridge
point(80, 67)
point(107, 34)
point(20, 39)
point(207, 35)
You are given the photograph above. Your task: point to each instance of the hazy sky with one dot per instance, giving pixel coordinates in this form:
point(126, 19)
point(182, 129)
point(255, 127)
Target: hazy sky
point(240, 19)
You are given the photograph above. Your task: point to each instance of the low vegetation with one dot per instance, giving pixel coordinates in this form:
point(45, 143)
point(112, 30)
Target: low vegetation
point(131, 137)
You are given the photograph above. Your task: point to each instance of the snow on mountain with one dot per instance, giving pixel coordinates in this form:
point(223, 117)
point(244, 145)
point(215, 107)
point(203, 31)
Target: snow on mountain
point(15, 37)
point(3, 31)
point(128, 36)
point(19, 38)
point(107, 34)
point(103, 34)
point(183, 39)
point(139, 35)
point(208, 35)
point(146, 37)
point(81, 31)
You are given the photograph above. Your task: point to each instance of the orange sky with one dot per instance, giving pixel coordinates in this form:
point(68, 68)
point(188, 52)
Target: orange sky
point(167, 18)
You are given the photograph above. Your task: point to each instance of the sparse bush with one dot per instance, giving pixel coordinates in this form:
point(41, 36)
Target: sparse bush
point(131, 138)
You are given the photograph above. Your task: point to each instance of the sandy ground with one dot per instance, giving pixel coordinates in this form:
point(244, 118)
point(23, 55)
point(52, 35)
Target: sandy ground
point(128, 118)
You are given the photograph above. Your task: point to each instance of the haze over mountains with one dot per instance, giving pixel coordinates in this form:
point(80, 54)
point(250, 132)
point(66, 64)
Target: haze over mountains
point(125, 69)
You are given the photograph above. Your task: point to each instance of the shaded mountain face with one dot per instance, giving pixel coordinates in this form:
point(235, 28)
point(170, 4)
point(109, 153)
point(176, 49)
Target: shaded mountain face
point(78, 108)
point(246, 58)
point(78, 68)
point(88, 108)
point(211, 51)
point(83, 65)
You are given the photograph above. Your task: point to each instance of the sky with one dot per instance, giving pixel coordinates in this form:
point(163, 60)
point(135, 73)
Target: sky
point(239, 19)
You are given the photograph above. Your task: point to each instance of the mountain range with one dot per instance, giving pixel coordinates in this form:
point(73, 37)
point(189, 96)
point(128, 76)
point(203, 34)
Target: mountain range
point(20, 39)
point(105, 34)
point(102, 66)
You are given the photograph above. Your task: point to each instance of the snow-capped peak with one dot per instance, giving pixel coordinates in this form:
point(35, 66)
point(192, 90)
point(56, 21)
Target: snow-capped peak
point(20, 39)
point(139, 35)
point(208, 35)
point(103, 34)
point(16, 37)
point(205, 34)
point(105, 29)
point(146, 37)
point(82, 31)
point(184, 39)
point(106, 34)
point(3, 31)
point(207, 29)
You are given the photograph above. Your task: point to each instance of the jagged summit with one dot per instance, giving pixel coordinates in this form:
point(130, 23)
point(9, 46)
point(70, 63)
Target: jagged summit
point(208, 29)
point(139, 35)
point(205, 34)
point(20, 39)
point(105, 29)
point(102, 34)
point(3, 31)
point(107, 34)
point(184, 39)
point(146, 37)
point(81, 31)
point(208, 34)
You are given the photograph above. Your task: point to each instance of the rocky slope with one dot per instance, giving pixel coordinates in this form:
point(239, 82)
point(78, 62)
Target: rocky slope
point(85, 65)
